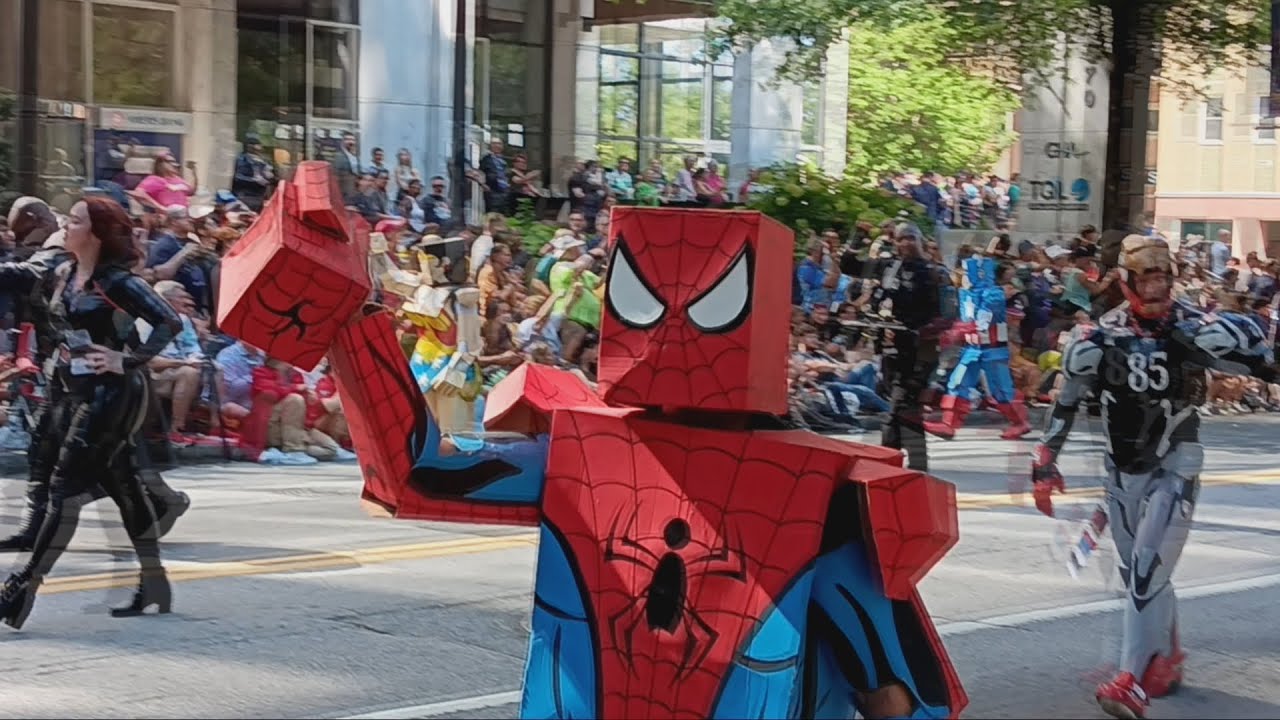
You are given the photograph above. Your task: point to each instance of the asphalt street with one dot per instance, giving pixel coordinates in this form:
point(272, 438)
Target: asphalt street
point(290, 601)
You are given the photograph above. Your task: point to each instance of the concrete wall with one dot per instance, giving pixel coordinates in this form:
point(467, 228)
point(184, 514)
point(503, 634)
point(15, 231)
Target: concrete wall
point(406, 72)
point(209, 39)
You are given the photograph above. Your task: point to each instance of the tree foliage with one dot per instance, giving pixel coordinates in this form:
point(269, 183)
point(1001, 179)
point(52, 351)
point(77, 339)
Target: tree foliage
point(803, 198)
point(1014, 41)
point(910, 107)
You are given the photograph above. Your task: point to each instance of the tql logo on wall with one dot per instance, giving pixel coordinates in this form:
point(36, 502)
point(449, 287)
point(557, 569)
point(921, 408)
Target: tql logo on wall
point(1049, 195)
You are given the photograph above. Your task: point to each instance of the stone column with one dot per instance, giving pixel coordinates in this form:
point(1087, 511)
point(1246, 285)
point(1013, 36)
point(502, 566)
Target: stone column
point(835, 110)
point(766, 116)
point(210, 55)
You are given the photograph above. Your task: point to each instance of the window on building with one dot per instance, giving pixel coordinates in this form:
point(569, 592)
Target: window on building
point(1211, 120)
point(333, 72)
point(1263, 121)
point(10, 45)
point(62, 72)
point(659, 96)
point(511, 83)
point(1207, 229)
point(133, 56)
point(811, 115)
point(721, 101)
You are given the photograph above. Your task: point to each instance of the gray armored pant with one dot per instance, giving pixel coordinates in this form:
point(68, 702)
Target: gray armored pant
point(1150, 520)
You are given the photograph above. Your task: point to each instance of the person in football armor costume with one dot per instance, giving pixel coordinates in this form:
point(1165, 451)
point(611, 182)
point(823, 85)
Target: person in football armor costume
point(1146, 364)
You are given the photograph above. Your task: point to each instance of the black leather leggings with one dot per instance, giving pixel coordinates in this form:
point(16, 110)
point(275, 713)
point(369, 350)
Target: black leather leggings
point(84, 443)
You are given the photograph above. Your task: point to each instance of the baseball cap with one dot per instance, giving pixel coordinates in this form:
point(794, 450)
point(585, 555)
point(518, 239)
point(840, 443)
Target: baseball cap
point(1056, 251)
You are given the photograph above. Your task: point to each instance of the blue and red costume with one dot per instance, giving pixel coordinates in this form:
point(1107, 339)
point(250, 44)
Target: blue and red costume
point(984, 330)
point(694, 560)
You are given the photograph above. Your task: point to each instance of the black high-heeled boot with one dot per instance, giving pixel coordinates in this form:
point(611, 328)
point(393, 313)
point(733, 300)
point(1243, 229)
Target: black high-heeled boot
point(33, 512)
point(153, 589)
point(17, 595)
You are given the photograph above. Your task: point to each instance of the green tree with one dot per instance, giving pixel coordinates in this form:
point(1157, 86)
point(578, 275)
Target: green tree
point(803, 198)
point(1016, 43)
point(910, 107)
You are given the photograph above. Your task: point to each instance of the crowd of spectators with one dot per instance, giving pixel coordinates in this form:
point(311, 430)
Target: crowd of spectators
point(541, 301)
point(1051, 290)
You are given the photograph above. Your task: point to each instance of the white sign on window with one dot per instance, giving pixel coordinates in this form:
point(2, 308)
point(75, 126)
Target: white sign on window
point(134, 120)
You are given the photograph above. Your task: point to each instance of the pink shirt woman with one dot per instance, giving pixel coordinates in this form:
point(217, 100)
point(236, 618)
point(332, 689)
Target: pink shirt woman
point(715, 183)
point(165, 186)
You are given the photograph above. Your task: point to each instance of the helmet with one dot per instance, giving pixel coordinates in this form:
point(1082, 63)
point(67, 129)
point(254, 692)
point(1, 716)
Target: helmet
point(980, 272)
point(1140, 255)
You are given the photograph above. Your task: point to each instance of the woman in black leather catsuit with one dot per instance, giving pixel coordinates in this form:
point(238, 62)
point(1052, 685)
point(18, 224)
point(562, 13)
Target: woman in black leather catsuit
point(98, 394)
point(35, 228)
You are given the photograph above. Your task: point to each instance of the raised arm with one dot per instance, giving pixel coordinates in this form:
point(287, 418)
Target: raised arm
point(1080, 364)
point(133, 295)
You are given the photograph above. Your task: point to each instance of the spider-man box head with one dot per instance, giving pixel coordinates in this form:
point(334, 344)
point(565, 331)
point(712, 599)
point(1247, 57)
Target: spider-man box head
point(299, 273)
point(697, 311)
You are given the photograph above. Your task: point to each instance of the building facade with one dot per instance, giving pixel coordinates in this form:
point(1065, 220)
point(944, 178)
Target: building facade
point(119, 81)
point(1217, 167)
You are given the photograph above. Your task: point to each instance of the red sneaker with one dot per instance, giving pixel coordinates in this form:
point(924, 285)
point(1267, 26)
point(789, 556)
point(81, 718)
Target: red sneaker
point(1123, 697)
point(1164, 674)
point(180, 440)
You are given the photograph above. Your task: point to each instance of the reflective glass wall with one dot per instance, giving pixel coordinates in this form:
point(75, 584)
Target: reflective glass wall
point(296, 76)
point(512, 94)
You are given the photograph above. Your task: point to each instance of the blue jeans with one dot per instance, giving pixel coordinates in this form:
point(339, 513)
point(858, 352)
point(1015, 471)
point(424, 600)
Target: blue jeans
point(862, 383)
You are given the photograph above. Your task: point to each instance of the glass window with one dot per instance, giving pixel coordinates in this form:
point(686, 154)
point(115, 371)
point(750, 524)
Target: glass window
point(340, 11)
point(609, 151)
point(516, 89)
point(1207, 229)
point(721, 101)
point(620, 38)
point(62, 71)
point(811, 116)
point(681, 100)
point(619, 109)
point(271, 85)
point(333, 72)
point(10, 46)
point(524, 21)
point(1265, 122)
point(683, 39)
point(132, 56)
point(1211, 126)
point(618, 68)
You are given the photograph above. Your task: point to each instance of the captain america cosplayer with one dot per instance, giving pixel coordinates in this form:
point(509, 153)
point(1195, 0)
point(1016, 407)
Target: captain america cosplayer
point(1145, 363)
point(984, 329)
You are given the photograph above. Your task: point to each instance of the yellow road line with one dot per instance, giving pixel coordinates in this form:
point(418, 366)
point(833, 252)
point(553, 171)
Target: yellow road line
point(985, 501)
point(337, 560)
point(296, 563)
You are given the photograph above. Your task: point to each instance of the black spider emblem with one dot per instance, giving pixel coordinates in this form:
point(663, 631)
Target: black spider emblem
point(293, 315)
point(662, 606)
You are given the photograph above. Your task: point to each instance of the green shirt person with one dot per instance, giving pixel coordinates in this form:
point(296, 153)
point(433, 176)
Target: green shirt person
point(566, 273)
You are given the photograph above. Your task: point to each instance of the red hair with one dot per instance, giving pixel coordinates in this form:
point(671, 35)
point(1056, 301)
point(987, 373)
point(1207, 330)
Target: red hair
point(111, 225)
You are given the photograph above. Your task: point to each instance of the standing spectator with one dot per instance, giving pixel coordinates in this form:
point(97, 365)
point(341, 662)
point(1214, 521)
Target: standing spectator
point(715, 183)
point(165, 186)
point(176, 371)
point(1015, 193)
point(377, 164)
point(595, 190)
point(409, 206)
point(658, 176)
point(497, 186)
point(381, 198)
point(684, 189)
point(436, 203)
point(749, 186)
point(368, 201)
point(1220, 253)
point(620, 181)
point(405, 172)
point(525, 181)
point(253, 176)
point(648, 191)
point(346, 165)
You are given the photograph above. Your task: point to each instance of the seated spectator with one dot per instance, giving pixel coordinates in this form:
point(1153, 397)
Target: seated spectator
point(324, 410)
point(492, 278)
point(289, 441)
point(177, 370)
point(235, 365)
point(539, 324)
point(578, 303)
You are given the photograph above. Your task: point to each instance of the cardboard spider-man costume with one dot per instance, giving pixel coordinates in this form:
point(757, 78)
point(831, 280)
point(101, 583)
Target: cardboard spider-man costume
point(692, 563)
point(984, 329)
